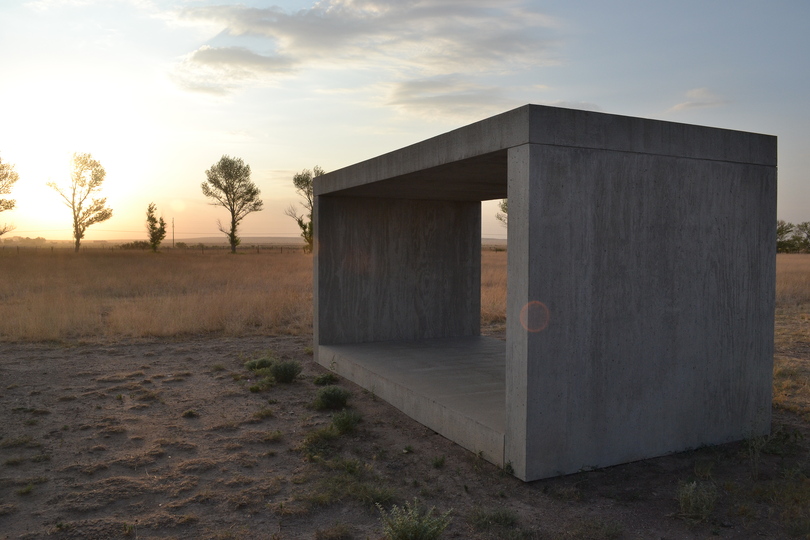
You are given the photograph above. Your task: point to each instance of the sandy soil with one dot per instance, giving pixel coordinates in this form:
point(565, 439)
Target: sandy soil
point(164, 439)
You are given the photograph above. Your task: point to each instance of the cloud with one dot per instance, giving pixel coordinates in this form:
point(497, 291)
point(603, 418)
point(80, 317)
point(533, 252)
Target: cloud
point(699, 98)
point(449, 96)
point(398, 40)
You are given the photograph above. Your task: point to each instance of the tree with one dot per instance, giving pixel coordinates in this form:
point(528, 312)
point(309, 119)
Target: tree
point(503, 215)
point(229, 186)
point(801, 237)
point(784, 240)
point(8, 176)
point(155, 227)
point(303, 185)
point(86, 180)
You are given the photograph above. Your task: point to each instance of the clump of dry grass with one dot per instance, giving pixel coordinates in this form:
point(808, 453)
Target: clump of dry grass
point(493, 287)
point(60, 294)
point(792, 279)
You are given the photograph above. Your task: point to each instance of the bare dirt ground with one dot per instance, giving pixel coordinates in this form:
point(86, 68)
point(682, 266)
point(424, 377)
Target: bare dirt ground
point(164, 439)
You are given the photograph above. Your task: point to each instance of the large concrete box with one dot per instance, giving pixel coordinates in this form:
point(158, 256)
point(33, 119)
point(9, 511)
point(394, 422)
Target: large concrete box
point(641, 268)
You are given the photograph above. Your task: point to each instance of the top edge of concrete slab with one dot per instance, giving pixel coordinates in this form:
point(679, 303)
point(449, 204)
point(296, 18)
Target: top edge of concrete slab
point(419, 170)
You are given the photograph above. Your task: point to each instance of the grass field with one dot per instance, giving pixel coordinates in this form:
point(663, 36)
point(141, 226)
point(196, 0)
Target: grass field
point(171, 435)
point(54, 295)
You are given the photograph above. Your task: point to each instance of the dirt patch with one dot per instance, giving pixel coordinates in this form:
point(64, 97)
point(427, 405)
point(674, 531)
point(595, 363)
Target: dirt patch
point(165, 439)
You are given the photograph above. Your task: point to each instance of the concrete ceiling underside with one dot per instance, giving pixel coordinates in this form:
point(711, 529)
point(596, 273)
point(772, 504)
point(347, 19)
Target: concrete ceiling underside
point(480, 178)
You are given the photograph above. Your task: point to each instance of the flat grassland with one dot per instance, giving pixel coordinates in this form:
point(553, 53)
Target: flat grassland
point(126, 410)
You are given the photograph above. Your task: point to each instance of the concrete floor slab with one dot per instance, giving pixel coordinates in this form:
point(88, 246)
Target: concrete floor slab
point(455, 386)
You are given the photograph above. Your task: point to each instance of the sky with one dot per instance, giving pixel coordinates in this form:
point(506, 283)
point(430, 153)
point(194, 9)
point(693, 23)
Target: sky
point(159, 90)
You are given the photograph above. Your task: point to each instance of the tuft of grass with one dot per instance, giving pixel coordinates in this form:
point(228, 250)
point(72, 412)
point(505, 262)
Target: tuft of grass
point(265, 383)
point(26, 490)
point(438, 462)
point(331, 398)
point(410, 522)
point(263, 413)
point(190, 413)
point(259, 363)
point(502, 518)
point(346, 421)
point(697, 499)
point(338, 531)
point(14, 462)
point(17, 442)
point(217, 367)
point(325, 379)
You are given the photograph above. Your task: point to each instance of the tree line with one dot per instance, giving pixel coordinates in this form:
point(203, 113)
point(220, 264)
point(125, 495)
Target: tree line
point(792, 238)
point(227, 184)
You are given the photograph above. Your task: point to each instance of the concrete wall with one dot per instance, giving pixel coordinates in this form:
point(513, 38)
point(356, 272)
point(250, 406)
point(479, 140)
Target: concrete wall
point(658, 274)
point(392, 269)
point(651, 245)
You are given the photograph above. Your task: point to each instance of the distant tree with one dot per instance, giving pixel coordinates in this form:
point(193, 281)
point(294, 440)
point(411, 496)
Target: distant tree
point(8, 176)
point(137, 244)
point(801, 237)
point(85, 180)
point(303, 185)
point(229, 186)
point(784, 239)
point(155, 227)
point(503, 215)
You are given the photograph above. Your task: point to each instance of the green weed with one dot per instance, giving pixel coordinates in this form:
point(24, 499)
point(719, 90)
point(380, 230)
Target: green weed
point(346, 421)
point(410, 522)
point(697, 499)
point(325, 379)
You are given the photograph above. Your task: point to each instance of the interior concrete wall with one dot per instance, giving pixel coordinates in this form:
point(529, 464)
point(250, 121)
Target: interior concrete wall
point(658, 273)
point(396, 269)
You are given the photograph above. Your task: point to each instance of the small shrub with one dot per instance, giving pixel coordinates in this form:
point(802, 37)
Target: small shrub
point(191, 413)
point(697, 499)
point(324, 379)
point(438, 462)
point(261, 414)
point(285, 372)
point(258, 363)
point(331, 398)
point(346, 421)
point(411, 523)
point(262, 384)
point(26, 490)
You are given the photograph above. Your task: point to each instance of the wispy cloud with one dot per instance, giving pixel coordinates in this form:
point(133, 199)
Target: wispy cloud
point(449, 96)
point(219, 70)
point(700, 98)
point(409, 44)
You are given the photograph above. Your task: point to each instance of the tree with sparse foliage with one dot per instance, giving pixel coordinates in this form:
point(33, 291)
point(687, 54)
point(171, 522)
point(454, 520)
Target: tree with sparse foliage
point(8, 176)
point(303, 185)
point(156, 227)
point(85, 180)
point(503, 215)
point(229, 185)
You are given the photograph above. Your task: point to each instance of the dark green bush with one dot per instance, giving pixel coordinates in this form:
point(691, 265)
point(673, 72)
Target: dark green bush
point(346, 421)
point(324, 379)
point(258, 363)
point(285, 372)
point(331, 397)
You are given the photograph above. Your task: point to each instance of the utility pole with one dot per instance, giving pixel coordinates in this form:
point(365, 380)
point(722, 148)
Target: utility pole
point(172, 233)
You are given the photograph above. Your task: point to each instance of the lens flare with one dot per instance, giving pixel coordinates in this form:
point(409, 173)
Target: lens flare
point(534, 316)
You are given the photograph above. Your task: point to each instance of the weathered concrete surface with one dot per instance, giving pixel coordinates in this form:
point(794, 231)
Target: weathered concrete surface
point(455, 386)
point(651, 244)
point(391, 269)
point(658, 274)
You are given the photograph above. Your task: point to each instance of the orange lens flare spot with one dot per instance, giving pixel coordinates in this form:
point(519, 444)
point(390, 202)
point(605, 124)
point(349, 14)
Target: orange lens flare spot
point(534, 316)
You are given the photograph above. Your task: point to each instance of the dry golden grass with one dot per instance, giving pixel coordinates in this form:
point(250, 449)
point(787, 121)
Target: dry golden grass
point(61, 295)
point(791, 371)
point(55, 295)
point(493, 287)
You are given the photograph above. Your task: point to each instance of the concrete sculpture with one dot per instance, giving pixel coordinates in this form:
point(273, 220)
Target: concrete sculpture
point(640, 304)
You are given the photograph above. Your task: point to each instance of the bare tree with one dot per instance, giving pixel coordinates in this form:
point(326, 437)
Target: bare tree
point(155, 227)
point(303, 185)
point(85, 180)
point(8, 176)
point(229, 186)
point(503, 215)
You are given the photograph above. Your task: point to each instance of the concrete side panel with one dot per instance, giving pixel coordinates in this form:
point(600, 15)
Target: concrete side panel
point(394, 269)
point(658, 274)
